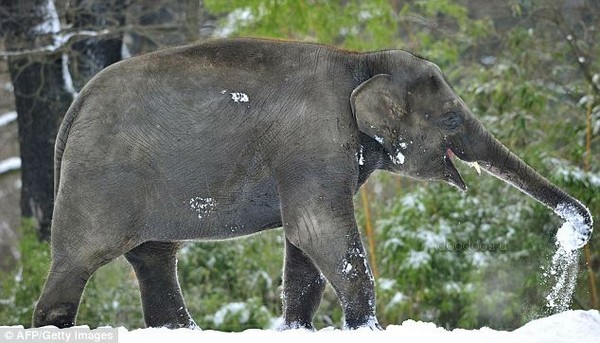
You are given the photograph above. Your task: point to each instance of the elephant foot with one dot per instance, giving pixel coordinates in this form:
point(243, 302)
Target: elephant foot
point(296, 325)
point(191, 325)
point(370, 324)
point(61, 316)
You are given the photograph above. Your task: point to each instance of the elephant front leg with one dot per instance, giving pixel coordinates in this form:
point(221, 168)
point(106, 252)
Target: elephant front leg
point(303, 286)
point(320, 223)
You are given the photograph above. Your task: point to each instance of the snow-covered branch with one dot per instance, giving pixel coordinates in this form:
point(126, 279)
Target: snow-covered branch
point(7, 118)
point(10, 164)
point(60, 40)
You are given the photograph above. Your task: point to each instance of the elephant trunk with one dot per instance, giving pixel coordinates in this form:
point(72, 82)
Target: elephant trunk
point(497, 159)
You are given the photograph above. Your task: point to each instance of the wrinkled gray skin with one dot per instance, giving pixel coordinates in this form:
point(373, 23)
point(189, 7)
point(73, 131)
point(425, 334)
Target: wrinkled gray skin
point(231, 137)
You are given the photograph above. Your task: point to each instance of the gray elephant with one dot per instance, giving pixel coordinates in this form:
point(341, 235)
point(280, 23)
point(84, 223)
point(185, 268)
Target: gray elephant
point(230, 137)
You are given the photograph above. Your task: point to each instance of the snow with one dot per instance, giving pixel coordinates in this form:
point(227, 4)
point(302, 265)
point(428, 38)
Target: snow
point(234, 21)
point(568, 326)
point(9, 164)
point(386, 284)
point(565, 237)
point(399, 158)
point(239, 97)
point(562, 274)
point(413, 200)
point(416, 259)
point(398, 298)
point(360, 156)
point(125, 53)
point(8, 118)
point(202, 206)
point(572, 234)
point(231, 309)
point(51, 24)
point(347, 267)
point(431, 240)
point(66, 74)
point(574, 174)
point(576, 326)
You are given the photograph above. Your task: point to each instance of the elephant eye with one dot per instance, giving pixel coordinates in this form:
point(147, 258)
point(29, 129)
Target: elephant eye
point(451, 120)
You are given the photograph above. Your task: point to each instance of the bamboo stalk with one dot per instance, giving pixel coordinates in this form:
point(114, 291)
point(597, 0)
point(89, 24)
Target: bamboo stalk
point(586, 168)
point(369, 230)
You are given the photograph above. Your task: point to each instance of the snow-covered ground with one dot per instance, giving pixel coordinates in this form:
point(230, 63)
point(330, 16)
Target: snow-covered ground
point(570, 326)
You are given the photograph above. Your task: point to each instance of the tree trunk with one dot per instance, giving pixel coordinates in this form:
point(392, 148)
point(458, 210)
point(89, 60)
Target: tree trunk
point(90, 55)
point(41, 98)
point(43, 87)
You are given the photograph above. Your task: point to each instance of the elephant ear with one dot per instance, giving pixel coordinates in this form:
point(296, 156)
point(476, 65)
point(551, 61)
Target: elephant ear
point(378, 105)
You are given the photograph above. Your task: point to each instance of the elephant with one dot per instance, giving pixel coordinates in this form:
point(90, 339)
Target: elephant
point(229, 137)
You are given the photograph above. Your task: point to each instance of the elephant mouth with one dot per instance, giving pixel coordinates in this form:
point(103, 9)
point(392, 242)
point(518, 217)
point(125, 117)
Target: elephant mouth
point(451, 174)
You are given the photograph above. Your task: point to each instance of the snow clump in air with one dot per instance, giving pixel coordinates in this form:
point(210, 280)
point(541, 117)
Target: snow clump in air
point(574, 231)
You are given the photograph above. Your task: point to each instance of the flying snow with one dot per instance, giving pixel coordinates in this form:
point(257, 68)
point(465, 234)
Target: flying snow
point(562, 273)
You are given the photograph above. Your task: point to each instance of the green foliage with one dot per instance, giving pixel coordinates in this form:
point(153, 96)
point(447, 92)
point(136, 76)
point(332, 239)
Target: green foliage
point(233, 285)
point(441, 30)
point(449, 257)
point(357, 24)
point(22, 286)
point(112, 298)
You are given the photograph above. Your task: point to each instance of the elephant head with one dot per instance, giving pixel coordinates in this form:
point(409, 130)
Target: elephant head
point(423, 125)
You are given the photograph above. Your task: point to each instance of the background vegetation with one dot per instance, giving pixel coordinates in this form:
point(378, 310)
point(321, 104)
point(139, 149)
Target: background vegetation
point(527, 69)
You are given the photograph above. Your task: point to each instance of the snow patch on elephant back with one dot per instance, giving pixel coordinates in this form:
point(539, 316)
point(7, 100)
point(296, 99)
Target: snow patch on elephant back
point(238, 97)
point(202, 206)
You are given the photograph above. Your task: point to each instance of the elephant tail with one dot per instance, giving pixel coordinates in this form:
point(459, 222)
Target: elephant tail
point(61, 138)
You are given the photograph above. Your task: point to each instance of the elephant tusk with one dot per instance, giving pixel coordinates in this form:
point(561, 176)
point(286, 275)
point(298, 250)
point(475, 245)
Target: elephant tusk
point(476, 166)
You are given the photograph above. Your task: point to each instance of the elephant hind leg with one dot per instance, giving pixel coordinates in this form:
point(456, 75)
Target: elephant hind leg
point(81, 243)
point(155, 265)
point(69, 273)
